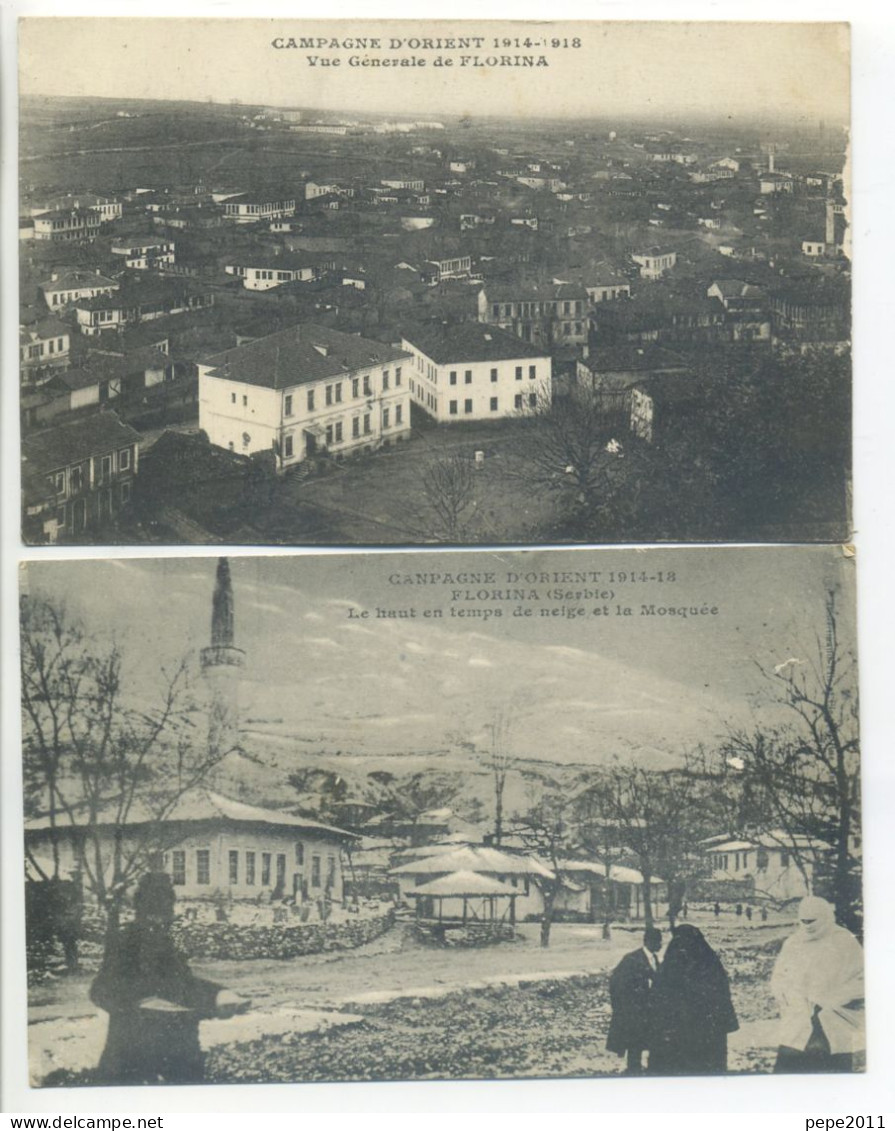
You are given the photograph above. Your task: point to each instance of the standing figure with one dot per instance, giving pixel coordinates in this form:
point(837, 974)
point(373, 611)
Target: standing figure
point(630, 988)
point(818, 981)
point(153, 1000)
point(691, 1009)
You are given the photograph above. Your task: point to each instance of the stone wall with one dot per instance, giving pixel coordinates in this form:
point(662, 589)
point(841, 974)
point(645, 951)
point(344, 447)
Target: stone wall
point(232, 941)
point(473, 934)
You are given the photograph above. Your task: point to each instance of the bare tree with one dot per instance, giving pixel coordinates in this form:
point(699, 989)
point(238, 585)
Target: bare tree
point(599, 835)
point(545, 829)
point(568, 446)
point(449, 494)
point(658, 816)
point(98, 759)
point(808, 772)
point(500, 761)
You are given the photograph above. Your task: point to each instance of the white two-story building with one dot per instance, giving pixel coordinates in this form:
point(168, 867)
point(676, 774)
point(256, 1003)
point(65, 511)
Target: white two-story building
point(303, 391)
point(474, 371)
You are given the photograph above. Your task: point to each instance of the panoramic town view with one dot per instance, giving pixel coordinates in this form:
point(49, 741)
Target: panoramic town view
point(244, 322)
point(565, 840)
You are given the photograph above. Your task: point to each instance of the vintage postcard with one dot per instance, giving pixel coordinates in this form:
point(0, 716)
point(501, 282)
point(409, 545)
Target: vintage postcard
point(358, 282)
point(442, 816)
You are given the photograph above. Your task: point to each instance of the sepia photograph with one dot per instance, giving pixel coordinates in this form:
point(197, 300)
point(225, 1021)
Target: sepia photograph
point(442, 816)
point(357, 282)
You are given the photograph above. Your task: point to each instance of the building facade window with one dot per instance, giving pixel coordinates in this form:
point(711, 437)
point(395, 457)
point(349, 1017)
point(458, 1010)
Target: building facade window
point(518, 372)
point(124, 459)
point(452, 408)
point(385, 418)
point(265, 869)
point(453, 377)
point(299, 853)
point(494, 375)
point(310, 400)
point(288, 447)
point(233, 866)
point(367, 427)
point(399, 414)
point(287, 404)
point(250, 869)
point(468, 377)
point(355, 427)
point(494, 404)
point(203, 866)
point(315, 871)
point(178, 867)
point(467, 405)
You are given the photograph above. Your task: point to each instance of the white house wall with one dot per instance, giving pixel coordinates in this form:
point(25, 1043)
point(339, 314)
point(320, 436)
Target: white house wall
point(298, 876)
point(265, 420)
point(433, 392)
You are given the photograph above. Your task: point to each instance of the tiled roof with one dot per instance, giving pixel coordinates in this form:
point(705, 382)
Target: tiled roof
point(77, 440)
point(469, 341)
point(300, 355)
point(532, 292)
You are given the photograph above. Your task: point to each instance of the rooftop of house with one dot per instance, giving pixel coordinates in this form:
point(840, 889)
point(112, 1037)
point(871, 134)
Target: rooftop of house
point(631, 358)
point(92, 374)
point(84, 214)
point(76, 440)
point(76, 279)
point(459, 342)
point(201, 805)
point(298, 356)
point(532, 292)
point(737, 288)
point(670, 388)
point(41, 330)
point(138, 292)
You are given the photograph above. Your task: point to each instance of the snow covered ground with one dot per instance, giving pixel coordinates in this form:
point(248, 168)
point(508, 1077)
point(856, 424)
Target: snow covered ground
point(394, 1009)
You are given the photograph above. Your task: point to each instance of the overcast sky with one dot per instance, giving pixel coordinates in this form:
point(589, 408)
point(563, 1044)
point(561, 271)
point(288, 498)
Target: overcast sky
point(577, 688)
point(735, 70)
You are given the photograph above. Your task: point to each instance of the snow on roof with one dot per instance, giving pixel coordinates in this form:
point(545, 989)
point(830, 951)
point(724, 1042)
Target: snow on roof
point(618, 873)
point(205, 805)
point(473, 859)
point(464, 883)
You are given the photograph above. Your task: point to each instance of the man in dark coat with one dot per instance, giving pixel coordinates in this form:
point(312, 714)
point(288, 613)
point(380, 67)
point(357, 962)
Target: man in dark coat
point(153, 999)
point(630, 989)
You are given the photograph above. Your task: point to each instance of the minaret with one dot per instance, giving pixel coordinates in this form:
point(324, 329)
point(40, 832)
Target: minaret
point(221, 662)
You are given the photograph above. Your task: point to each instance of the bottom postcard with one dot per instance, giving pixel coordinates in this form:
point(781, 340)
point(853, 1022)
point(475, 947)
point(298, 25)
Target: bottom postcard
point(442, 815)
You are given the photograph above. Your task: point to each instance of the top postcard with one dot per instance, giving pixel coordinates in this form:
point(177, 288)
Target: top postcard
point(354, 282)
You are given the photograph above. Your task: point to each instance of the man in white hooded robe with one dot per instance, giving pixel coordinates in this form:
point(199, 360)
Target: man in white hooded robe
point(818, 981)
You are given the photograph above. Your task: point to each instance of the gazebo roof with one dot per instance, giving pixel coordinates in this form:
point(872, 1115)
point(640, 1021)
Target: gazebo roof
point(464, 883)
point(473, 859)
